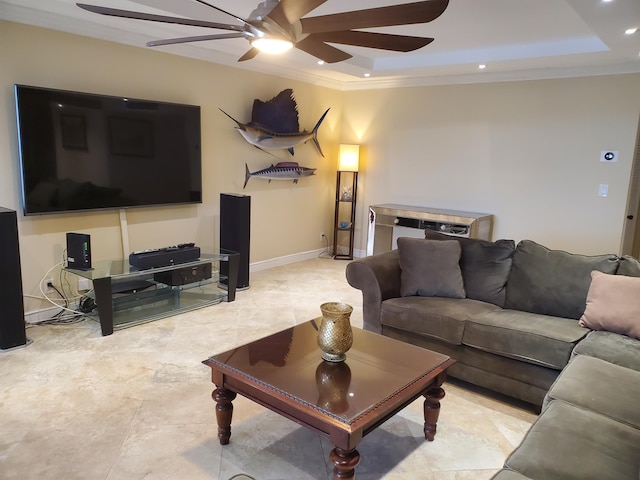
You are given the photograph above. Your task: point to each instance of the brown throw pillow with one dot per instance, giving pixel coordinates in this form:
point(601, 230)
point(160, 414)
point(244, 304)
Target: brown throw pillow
point(613, 304)
point(430, 268)
point(485, 266)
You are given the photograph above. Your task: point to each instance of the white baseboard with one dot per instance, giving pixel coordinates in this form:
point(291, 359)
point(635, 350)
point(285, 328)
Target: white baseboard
point(294, 258)
point(36, 316)
point(286, 260)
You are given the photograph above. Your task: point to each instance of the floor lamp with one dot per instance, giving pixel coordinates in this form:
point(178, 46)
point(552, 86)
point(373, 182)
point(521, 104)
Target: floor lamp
point(345, 208)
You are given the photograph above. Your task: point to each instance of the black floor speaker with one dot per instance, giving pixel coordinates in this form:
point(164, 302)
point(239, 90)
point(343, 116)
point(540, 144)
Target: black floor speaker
point(12, 327)
point(235, 229)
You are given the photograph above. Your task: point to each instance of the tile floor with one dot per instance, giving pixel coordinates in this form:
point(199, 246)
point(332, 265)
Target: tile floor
point(137, 404)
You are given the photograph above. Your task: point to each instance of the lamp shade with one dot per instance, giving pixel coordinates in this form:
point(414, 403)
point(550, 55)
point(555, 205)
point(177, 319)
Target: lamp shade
point(349, 158)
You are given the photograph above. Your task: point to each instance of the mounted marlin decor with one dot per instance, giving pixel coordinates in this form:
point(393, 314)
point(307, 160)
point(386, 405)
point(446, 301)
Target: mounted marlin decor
point(280, 171)
point(274, 124)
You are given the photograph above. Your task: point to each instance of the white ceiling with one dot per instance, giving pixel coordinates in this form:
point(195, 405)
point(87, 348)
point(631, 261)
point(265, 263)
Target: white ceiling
point(516, 39)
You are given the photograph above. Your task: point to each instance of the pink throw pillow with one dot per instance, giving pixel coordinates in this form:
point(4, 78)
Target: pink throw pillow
point(613, 304)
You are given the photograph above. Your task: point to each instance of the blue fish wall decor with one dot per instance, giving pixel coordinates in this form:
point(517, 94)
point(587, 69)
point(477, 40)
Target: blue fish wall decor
point(274, 124)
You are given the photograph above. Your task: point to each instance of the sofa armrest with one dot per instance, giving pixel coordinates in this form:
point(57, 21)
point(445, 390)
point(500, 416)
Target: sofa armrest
point(378, 277)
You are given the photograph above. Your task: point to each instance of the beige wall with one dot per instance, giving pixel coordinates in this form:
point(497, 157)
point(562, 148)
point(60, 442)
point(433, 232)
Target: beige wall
point(527, 152)
point(286, 219)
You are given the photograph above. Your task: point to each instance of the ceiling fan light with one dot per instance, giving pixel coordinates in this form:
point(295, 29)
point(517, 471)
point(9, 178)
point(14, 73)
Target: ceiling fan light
point(271, 45)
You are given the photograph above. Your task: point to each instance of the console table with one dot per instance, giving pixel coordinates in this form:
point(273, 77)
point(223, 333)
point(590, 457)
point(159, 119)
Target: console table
point(127, 296)
point(389, 221)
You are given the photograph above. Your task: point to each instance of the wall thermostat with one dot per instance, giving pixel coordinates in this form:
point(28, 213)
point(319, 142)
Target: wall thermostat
point(609, 156)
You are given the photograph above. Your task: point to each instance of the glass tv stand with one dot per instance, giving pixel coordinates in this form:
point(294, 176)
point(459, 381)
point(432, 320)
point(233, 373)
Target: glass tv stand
point(127, 296)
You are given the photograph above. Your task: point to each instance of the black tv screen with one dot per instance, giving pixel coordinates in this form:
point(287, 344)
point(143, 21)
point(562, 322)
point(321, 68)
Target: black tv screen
point(82, 151)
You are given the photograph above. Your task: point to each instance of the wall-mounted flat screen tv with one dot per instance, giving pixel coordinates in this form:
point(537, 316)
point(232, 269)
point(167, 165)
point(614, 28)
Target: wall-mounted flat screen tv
point(82, 151)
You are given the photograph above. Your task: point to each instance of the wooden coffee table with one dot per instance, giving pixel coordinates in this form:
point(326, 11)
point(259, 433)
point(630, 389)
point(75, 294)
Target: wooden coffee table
point(343, 401)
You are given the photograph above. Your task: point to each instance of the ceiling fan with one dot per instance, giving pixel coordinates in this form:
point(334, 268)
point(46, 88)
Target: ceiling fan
point(279, 25)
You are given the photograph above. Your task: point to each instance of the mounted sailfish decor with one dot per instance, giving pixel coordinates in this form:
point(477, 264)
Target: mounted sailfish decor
point(274, 124)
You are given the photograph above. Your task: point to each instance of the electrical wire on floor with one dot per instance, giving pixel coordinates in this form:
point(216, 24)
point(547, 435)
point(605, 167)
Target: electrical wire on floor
point(325, 253)
point(66, 315)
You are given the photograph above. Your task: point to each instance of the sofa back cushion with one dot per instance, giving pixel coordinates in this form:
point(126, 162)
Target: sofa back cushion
point(628, 266)
point(430, 268)
point(553, 282)
point(485, 266)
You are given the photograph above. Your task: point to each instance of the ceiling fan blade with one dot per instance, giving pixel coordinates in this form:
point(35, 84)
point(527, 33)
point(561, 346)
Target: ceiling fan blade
point(382, 41)
point(240, 19)
point(251, 53)
point(403, 14)
point(287, 12)
point(319, 49)
point(197, 38)
point(114, 12)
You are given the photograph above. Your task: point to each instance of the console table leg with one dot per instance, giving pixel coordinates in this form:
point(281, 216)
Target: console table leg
point(224, 412)
point(432, 411)
point(345, 463)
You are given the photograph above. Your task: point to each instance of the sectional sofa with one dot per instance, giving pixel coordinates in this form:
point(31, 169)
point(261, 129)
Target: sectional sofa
point(510, 315)
point(589, 427)
point(555, 329)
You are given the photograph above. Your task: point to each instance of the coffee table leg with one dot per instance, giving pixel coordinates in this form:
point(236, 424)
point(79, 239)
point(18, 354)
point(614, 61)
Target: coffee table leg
point(224, 412)
point(432, 411)
point(345, 463)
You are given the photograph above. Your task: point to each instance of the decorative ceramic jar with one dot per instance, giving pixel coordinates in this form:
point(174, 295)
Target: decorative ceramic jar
point(335, 336)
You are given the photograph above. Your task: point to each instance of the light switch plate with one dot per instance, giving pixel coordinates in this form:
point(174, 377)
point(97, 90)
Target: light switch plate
point(603, 190)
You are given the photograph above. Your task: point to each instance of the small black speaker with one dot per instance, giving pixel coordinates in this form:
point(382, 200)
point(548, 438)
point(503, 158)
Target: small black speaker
point(79, 251)
point(12, 327)
point(235, 228)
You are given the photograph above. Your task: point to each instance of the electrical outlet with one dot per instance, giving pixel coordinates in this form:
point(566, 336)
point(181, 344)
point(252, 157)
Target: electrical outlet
point(49, 283)
point(322, 237)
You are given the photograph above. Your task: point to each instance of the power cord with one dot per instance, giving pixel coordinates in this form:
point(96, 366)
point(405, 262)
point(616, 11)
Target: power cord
point(325, 253)
point(87, 304)
point(62, 318)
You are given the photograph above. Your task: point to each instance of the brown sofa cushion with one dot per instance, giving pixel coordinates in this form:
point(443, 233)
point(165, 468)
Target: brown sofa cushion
point(614, 394)
point(628, 266)
point(613, 304)
point(614, 348)
point(434, 317)
point(552, 282)
point(568, 442)
point(430, 268)
point(485, 266)
point(529, 337)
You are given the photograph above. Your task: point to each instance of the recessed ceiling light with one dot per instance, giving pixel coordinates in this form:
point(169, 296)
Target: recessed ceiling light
point(482, 66)
point(320, 62)
point(367, 75)
point(607, 1)
point(631, 31)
